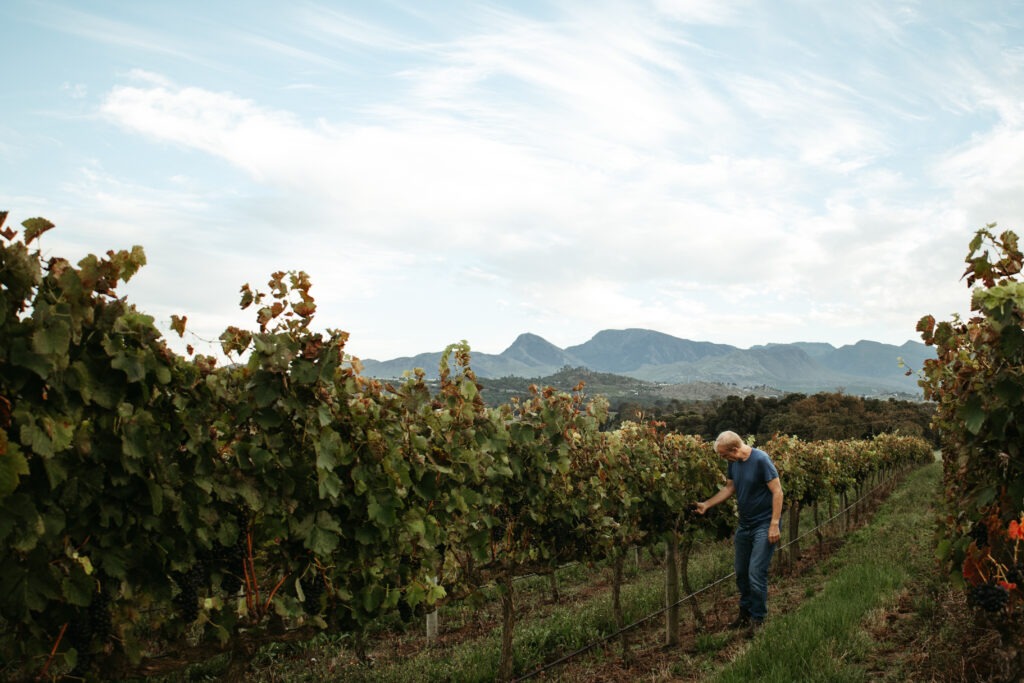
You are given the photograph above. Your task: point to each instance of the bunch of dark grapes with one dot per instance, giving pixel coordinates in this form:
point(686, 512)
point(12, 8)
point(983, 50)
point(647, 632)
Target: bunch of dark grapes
point(86, 627)
point(979, 532)
point(190, 582)
point(230, 559)
point(313, 592)
point(988, 596)
point(405, 611)
point(99, 616)
point(442, 550)
point(655, 521)
point(79, 635)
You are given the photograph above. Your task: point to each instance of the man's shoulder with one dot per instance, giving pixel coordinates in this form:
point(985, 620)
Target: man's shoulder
point(759, 456)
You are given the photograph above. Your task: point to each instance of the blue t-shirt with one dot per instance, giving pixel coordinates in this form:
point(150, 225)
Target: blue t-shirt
point(753, 497)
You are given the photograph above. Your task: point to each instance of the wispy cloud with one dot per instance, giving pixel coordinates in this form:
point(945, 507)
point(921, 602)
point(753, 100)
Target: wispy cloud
point(347, 31)
point(729, 171)
point(112, 32)
point(288, 51)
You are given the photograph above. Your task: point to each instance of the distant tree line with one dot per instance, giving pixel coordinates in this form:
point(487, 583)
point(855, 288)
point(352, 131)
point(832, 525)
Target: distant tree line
point(825, 415)
point(809, 417)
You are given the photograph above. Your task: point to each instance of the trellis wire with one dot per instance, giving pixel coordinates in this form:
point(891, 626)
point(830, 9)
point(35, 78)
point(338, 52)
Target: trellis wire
point(604, 639)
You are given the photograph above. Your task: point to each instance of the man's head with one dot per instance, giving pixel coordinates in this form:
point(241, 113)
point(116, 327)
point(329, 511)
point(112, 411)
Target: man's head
point(729, 445)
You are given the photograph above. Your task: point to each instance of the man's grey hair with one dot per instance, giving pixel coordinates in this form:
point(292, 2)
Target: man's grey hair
point(730, 440)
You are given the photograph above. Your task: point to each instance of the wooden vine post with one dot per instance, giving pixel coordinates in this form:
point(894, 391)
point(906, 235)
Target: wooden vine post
point(671, 590)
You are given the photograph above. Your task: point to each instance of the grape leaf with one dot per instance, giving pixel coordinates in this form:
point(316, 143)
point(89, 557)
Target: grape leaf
point(12, 466)
point(973, 415)
point(34, 227)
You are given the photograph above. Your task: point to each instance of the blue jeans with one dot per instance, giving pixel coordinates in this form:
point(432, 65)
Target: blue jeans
point(753, 557)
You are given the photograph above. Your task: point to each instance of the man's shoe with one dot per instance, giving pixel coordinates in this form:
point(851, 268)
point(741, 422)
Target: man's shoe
point(741, 621)
point(755, 627)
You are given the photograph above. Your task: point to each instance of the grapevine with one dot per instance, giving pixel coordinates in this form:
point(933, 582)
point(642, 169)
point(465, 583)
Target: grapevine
point(976, 382)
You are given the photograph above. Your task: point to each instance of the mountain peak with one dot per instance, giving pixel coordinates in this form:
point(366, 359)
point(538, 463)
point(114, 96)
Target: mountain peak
point(630, 349)
point(535, 350)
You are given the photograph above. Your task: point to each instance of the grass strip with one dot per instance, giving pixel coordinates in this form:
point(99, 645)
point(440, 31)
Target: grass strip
point(538, 639)
point(823, 639)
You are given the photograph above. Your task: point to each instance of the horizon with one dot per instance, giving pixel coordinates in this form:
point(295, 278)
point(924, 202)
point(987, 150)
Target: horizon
point(698, 341)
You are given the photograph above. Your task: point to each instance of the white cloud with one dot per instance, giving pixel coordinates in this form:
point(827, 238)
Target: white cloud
point(700, 11)
point(725, 171)
point(437, 189)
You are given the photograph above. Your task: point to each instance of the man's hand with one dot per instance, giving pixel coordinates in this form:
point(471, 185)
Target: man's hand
point(773, 533)
point(701, 508)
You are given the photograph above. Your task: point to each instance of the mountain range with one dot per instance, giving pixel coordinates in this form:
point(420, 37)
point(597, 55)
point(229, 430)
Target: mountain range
point(865, 368)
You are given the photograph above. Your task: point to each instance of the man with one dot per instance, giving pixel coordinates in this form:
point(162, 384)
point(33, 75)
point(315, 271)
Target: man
point(755, 481)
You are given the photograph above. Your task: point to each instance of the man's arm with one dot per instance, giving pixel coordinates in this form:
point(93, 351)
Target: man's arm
point(775, 486)
point(714, 500)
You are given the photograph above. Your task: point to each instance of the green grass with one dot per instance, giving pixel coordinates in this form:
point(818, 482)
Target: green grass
point(824, 639)
point(540, 638)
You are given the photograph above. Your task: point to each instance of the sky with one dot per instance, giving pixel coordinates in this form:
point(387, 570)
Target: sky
point(735, 171)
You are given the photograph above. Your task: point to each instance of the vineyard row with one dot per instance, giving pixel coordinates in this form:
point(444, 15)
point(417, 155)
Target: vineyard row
point(157, 510)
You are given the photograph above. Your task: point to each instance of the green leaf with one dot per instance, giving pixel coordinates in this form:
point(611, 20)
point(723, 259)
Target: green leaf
point(78, 588)
point(131, 364)
point(382, 514)
point(53, 338)
point(327, 449)
point(266, 389)
point(137, 441)
point(128, 262)
point(1012, 340)
point(56, 472)
point(1009, 391)
point(26, 590)
point(373, 596)
point(12, 466)
point(972, 414)
point(329, 485)
point(468, 390)
point(47, 437)
point(322, 541)
point(23, 357)
point(416, 527)
point(323, 414)
point(984, 496)
point(251, 495)
point(366, 536)
point(114, 561)
point(156, 496)
point(304, 372)
point(34, 227)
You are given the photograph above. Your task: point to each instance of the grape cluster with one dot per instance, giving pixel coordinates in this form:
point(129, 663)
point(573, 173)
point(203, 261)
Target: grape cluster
point(442, 551)
point(190, 583)
point(657, 520)
point(79, 635)
point(989, 597)
point(405, 611)
point(314, 592)
point(979, 532)
point(229, 559)
point(86, 627)
point(99, 616)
